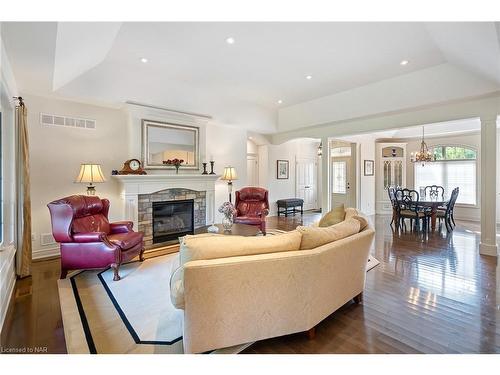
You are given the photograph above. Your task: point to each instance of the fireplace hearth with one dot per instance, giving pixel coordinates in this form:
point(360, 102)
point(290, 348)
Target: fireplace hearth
point(172, 219)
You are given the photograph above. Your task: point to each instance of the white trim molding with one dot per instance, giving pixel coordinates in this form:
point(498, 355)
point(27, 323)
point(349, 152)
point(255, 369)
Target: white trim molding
point(134, 185)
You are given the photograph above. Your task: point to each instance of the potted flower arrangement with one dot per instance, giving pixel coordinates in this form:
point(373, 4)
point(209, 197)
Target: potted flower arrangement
point(175, 162)
point(229, 211)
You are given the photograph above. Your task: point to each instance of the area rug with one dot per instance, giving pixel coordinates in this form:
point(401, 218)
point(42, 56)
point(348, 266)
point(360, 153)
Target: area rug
point(134, 315)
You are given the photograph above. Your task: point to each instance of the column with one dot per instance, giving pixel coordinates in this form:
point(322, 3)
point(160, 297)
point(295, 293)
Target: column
point(488, 245)
point(325, 177)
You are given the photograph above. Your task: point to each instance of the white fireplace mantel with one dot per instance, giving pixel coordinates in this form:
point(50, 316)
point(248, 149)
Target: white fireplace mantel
point(134, 185)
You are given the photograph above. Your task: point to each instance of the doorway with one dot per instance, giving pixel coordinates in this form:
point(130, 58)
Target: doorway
point(252, 170)
point(343, 174)
point(307, 181)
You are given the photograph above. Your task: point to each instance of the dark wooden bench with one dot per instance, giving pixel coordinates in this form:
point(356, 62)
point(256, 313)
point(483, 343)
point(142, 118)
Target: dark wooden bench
point(289, 206)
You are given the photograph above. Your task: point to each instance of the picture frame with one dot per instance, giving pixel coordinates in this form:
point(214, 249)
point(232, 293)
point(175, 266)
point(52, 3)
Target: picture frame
point(369, 168)
point(282, 169)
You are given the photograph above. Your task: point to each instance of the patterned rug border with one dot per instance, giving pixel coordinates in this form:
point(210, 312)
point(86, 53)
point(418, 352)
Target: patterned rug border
point(124, 318)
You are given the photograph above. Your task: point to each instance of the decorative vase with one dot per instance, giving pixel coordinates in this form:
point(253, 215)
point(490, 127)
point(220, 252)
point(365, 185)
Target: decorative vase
point(177, 169)
point(227, 222)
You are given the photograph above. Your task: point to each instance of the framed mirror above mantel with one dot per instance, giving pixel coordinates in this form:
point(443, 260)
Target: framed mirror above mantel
point(162, 141)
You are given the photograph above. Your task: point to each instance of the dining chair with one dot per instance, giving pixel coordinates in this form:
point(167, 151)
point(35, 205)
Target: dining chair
point(408, 208)
point(394, 203)
point(435, 191)
point(447, 214)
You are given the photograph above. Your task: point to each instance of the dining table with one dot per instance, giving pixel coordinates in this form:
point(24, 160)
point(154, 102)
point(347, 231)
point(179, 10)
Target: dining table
point(433, 203)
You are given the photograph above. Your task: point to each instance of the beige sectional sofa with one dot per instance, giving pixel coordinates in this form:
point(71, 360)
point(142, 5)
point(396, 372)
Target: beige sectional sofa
point(235, 290)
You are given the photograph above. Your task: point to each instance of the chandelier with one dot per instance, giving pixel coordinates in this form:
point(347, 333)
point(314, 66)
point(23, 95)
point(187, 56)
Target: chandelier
point(424, 155)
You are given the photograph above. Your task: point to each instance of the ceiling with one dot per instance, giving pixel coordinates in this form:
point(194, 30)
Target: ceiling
point(192, 68)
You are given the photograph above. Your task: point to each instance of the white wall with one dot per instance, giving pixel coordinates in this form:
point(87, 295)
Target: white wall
point(228, 146)
point(268, 156)
point(56, 154)
point(252, 148)
point(8, 89)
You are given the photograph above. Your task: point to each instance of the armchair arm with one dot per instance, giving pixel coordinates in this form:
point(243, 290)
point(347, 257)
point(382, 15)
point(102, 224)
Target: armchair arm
point(121, 227)
point(264, 212)
point(89, 237)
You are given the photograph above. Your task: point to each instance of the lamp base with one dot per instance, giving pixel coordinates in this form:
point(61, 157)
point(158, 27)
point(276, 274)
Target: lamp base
point(90, 190)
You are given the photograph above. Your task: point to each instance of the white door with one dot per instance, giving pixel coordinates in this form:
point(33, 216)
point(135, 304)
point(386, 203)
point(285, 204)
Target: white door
point(252, 170)
point(306, 181)
point(342, 182)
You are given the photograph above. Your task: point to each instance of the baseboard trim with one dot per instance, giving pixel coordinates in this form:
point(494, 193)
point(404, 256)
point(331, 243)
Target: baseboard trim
point(46, 253)
point(10, 289)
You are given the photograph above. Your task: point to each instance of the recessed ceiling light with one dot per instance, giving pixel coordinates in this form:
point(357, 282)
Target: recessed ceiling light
point(280, 101)
point(404, 62)
point(309, 77)
point(230, 40)
point(144, 60)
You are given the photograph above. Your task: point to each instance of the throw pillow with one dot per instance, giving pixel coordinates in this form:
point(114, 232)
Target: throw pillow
point(333, 217)
point(313, 237)
point(362, 221)
point(350, 212)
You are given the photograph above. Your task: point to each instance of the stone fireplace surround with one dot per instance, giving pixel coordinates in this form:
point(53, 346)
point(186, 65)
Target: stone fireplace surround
point(145, 209)
point(136, 190)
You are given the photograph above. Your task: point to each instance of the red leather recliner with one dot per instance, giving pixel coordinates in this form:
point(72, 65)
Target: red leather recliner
point(252, 205)
point(87, 239)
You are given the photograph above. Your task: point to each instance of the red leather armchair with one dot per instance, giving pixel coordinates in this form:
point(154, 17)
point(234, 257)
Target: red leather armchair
point(87, 239)
point(252, 205)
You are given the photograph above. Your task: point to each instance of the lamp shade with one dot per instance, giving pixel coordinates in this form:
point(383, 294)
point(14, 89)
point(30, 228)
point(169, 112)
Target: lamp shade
point(90, 173)
point(229, 174)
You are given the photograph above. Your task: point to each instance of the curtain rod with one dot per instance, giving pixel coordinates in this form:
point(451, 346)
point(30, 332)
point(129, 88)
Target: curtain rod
point(20, 100)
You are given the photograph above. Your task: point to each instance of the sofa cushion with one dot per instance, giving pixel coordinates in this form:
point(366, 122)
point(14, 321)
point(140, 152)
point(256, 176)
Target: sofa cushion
point(333, 217)
point(221, 246)
point(313, 237)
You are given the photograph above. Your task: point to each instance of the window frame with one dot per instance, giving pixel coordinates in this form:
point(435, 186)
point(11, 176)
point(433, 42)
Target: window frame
point(477, 163)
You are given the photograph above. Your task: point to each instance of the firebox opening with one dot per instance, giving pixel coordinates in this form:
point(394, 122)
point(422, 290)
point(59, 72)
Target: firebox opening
point(172, 219)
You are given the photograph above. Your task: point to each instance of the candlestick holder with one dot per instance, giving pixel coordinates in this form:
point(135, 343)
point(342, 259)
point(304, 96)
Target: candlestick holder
point(204, 168)
point(212, 167)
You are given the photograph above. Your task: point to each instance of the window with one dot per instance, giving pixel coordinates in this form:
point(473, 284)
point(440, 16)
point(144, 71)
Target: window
point(339, 173)
point(455, 166)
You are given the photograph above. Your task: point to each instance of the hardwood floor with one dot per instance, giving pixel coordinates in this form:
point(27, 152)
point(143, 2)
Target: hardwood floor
point(430, 294)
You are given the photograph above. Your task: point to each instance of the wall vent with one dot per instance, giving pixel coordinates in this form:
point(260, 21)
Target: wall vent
point(47, 239)
point(73, 122)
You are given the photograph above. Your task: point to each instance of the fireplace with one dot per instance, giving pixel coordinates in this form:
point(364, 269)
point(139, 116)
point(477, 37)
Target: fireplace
point(172, 219)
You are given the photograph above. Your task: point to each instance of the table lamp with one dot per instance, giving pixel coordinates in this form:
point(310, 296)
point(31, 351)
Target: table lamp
point(229, 175)
point(90, 173)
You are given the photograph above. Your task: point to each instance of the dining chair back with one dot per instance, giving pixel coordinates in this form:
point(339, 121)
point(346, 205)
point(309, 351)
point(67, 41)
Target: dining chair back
point(408, 208)
point(407, 199)
point(447, 214)
point(394, 203)
point(434, 191)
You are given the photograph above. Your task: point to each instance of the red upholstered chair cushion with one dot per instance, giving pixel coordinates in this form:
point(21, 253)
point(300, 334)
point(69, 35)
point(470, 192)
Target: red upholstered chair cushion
point(126, 240)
